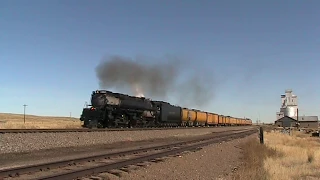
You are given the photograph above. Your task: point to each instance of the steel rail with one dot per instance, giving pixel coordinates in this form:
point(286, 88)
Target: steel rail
point(106, 167)
point(4, 131)
point(39, 167)
point(79, 173)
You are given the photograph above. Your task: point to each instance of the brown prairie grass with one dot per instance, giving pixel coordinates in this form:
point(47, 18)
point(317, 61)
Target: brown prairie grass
point(301, 156)
point(253, 158)
point(16, 121)
point(282, 157)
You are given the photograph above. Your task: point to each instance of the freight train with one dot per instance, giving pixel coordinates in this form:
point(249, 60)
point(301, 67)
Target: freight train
point(109, 109)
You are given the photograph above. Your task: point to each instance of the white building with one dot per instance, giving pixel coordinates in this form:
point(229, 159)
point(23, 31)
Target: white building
point(289, 105)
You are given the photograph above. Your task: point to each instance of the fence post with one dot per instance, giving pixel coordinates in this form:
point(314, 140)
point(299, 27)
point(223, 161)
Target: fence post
point(261, 136)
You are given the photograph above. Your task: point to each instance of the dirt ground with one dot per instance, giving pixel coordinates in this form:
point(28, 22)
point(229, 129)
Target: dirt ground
point(217, 161)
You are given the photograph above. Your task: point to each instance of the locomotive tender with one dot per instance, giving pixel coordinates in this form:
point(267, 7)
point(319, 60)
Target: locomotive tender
point(109, 109)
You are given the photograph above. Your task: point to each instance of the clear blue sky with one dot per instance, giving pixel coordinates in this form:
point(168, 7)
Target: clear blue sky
point(256, 49)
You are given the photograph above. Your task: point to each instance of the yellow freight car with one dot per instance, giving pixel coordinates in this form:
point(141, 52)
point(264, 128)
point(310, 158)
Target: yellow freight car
point(221, 120)
point(215, 119)
point(209, 118)
point(238, 121)
point(188, 115)
point(233, 121)
point(201, 117)
point(228, 120)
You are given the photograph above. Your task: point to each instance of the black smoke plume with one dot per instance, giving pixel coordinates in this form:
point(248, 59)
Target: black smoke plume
point(157, 81)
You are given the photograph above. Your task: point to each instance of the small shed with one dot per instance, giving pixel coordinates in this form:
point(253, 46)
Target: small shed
point(310, 122)
point(286, 122)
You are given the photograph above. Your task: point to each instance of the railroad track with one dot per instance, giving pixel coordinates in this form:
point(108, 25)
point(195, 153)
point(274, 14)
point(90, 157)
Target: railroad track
point(92, 165)
point(4, 131)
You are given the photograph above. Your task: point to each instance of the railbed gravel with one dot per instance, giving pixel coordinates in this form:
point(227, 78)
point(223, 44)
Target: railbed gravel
point(214, 162)
point(27, 142)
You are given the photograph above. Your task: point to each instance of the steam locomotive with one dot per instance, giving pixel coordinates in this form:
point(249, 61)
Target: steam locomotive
point(109, 109)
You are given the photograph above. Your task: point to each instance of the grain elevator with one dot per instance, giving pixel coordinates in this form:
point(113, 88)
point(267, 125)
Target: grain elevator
point(289, 105)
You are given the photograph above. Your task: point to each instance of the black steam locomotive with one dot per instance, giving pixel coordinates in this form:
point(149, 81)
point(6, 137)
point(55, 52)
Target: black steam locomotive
point(110, 109)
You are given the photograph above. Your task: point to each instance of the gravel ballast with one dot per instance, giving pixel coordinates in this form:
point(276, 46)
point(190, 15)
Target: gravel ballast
point(217, 161)
point(17, 143)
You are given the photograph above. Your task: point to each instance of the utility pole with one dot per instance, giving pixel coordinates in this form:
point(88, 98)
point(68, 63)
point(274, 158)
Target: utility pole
point(24, 113)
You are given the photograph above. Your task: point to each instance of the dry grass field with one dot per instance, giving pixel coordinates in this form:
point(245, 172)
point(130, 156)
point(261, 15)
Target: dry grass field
point(16, 121)
point(301, 156)
point(282, 157)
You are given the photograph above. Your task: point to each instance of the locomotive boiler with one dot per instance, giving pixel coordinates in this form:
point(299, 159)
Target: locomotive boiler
point(110, 109)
